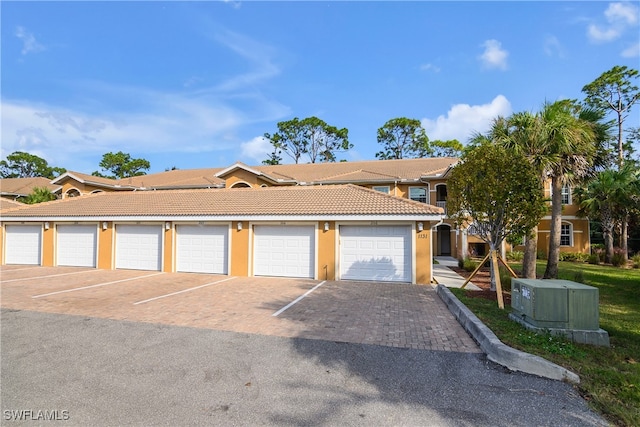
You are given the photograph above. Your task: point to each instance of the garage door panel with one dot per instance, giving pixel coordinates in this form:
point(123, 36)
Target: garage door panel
point(23, 244)
point(139, 247)
point(202, 248)
point(76, 245)
point(286, 251)
point(381, 253)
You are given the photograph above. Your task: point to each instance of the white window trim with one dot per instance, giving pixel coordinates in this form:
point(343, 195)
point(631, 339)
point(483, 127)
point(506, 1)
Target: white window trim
point(423, 187)
point(570, 234)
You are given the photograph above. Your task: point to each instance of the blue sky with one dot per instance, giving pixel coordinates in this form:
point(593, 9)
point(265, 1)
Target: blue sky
point(197, 84)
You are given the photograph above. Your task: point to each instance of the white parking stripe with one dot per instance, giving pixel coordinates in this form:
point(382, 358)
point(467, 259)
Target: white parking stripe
point(182, 291)
point(95, 286)
point(44, 277)
point(6, 270)
point(299, 298)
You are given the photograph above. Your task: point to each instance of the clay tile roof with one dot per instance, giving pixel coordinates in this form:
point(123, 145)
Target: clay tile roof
point(371, 170)
point(24, 186)
point(177, 178)
point(6, 204)
point(290, 201)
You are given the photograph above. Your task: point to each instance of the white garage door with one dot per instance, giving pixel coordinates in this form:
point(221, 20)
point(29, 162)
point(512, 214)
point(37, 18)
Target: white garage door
point(138, 247)
point(77, 245)
point(375, 253)
point(202, 249)
point(284, 251)
point(23, 244)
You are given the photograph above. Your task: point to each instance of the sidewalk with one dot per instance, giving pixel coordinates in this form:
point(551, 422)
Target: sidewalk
point(447, 277)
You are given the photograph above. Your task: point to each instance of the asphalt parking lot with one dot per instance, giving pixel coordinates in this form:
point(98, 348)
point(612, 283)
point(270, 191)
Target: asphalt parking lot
point(105, 348)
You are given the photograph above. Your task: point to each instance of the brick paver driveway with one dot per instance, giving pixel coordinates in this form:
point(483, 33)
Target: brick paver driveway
point(398, 315)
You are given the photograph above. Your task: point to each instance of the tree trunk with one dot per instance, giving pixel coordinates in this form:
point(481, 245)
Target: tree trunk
point(606, 219)
point(624, 236)
point(530, 255)
point(551, 271)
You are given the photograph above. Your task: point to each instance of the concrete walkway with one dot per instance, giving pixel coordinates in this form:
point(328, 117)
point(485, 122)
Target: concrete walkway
point(447, 277)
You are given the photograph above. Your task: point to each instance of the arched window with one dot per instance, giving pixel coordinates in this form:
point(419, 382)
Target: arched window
point(72, 192)
point(240, 184)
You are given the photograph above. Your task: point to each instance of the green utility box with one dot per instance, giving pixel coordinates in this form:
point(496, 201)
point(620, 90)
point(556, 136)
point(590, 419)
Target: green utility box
point(561, 307)
point(555, 303)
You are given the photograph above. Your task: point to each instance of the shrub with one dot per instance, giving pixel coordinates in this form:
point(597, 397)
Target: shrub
point(469, 265)
point(515, 256)
point(541, 254)
point(573, 256)
point(578, 276)
point(594, 259)
point(617, 259)
point(505, 279)
point(636, 260)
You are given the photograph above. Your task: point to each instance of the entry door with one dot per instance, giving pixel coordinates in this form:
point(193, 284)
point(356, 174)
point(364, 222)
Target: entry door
point(284, 251)
point(380, 253)
point(444, 237)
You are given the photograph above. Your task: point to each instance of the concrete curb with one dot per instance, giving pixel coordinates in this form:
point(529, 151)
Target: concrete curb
point(499, 352)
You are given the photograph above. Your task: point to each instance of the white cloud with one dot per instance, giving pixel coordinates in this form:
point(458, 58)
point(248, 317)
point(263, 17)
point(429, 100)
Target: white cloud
point(552, 47)
point(257, 149)
point(619, 18)
point(624, 13)
point(597, 34)
point(494, 56)
point(29, 42)
point(430, 67)
point(463, 121)
point(632, 51)
point(161, 122)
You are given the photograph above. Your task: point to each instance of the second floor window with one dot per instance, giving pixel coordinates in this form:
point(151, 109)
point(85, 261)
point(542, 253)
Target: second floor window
point(419, 194)
point(566, 195)
point(382, 189)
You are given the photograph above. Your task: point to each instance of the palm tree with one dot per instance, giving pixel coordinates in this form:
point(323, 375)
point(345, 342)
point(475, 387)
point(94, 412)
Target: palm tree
point(39, 195)
point(609, 196)
point(570, 145)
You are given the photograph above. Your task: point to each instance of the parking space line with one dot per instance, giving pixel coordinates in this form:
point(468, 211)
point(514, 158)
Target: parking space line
point(6, 270)
point(51, 275)
point(95, 286)
point(182, 291)
point(277, 313)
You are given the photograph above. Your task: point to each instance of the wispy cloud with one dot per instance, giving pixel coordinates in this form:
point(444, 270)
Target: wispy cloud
point(430, 67)
point(619, 18)
point(494, 56)
point(632, 51)
point(29, 42)
point(159, 122)
point(552, 47)
point(463, 120)
point(259, 56)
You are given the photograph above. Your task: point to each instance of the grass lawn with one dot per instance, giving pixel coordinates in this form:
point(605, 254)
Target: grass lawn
point(610, 377)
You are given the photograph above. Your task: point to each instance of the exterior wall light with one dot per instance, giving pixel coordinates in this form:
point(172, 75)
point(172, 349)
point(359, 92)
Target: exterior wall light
point(420, 226)
point(239, 225)
point(167, 225)
point(105, 225)
point(326, 226)
point(46, 225)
